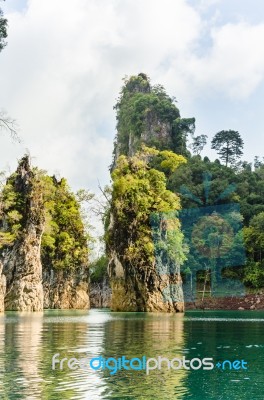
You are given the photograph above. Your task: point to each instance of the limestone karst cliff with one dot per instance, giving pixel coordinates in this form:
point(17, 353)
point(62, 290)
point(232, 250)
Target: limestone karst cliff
point(100, 294)
point(147, 115)
point(2, 289)
point(144, 249)
point(21, 261)
point(43, 245)
point(144, 274)
point(66, 289)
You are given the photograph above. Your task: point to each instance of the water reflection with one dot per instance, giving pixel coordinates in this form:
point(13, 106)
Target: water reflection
point(150, 335)
point(21, 344)
point(29, 340)
point(28, 334)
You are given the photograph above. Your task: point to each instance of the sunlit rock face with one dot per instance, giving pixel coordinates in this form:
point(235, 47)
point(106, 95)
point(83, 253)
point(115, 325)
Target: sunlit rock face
point(146, 123)
point(143, 289)
point(27, 283)
point(141, 283)
point(66, 289)
point(100, 294)
point(22, 264)
point(2, 289)
point(145, 115)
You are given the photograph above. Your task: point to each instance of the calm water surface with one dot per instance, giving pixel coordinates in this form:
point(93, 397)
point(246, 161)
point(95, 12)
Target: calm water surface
point(28, 342)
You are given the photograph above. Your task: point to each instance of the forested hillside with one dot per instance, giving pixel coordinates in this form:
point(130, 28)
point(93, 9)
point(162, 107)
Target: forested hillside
point(247, 189)
point(147, 115)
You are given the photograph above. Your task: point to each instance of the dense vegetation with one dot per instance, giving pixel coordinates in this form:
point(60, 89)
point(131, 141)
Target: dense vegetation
point(144, 114)
point(147, 115)
point(98, 269)
point(64, 241)
point(139, 191)
point(242, 184)
point(161, 177)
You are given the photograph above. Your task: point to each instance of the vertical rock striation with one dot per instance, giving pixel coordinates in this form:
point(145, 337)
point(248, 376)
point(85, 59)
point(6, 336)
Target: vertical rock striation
point(43, 244)
point(146, 115)
point(2, 288)
point(66, 289)
point(100, 294)
point(21, 263)
point(138, 283)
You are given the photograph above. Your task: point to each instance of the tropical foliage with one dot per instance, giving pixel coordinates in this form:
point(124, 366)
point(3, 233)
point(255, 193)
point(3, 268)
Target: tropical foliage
point(139, 193)
point(147, 115)
point(65, 240)
point(143, 112)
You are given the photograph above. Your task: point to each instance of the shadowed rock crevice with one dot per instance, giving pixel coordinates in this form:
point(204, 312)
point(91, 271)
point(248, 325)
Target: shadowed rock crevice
point(21, 263)
point(43, 244)
point(149, 131)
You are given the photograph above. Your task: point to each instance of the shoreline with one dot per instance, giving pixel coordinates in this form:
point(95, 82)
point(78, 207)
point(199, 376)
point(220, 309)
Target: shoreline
point(247, 302)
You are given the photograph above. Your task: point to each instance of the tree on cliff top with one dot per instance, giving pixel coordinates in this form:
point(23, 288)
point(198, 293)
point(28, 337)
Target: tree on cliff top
point(198, 144)
point(147, 114)
point(64, 241)
point(229, 146)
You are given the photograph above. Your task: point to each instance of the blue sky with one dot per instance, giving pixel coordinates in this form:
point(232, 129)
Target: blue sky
point(232, 11)
point(15, 5)
point(62, 70)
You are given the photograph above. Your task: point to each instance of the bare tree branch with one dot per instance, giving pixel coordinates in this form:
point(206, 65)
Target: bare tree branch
point(10, 125)
point(104, 193)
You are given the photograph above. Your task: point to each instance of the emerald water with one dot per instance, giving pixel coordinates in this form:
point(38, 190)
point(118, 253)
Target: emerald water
point(28, 342)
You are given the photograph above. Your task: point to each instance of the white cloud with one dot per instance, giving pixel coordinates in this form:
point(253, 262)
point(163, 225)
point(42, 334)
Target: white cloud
point(205, 4)
point(235, 63)
point(61, 72)
point(232, 66)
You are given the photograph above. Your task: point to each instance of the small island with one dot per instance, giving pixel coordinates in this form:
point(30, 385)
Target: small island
point(153, 260)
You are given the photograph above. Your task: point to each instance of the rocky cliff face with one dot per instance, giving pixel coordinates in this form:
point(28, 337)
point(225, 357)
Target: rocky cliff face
point(136, 288)
point(2, 289)
point(66, 289)
point(21, 263)
point(144, 274)
point(145, 115)
point(155, 132)
point(27, 282)
point(100, 295)
point(22, 269)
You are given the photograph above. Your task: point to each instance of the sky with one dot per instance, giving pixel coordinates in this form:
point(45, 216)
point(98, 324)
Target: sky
point(62, 70)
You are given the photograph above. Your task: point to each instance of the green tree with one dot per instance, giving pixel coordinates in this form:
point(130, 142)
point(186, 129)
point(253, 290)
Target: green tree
point(254, 241)
point(146, 114)
point(198, 144)
point(98, 269)
point(254, 237)
point(139, 191)
point(3, 30)
point(229, 146)
point(65, 241)
point(257, 162)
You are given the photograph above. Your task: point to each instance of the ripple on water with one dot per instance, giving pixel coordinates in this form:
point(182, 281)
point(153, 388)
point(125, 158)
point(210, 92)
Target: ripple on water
point(27, 344)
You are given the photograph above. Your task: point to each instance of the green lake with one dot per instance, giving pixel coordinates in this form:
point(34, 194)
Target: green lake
point(28, 342)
